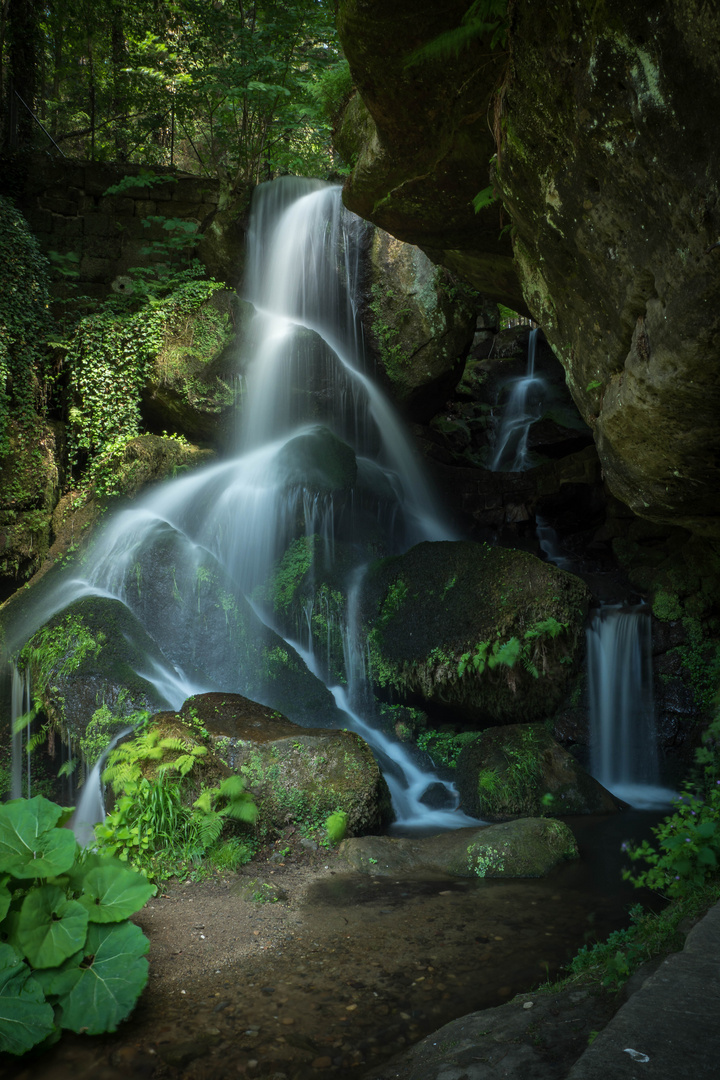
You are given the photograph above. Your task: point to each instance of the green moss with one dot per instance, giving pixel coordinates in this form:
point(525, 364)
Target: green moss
point(287, 575)
point(666, 606)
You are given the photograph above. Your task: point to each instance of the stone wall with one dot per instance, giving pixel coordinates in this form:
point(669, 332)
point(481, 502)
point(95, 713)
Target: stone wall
point(66, 207)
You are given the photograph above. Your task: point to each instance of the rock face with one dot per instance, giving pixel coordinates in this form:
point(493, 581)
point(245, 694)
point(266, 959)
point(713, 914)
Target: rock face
point(419, 322)
point(420, 140)
point(529, 847)
point(608, 165)
point(609, 169)
point(520, 769)
point(489, 632)
point(297, 775)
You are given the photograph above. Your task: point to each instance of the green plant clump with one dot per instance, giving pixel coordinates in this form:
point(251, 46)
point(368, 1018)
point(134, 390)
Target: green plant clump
point(70, 958)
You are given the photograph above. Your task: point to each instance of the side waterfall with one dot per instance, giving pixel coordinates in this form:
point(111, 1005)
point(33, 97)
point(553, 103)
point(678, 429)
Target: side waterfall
point(524, 406)
point(623, 740)
point(308, 408)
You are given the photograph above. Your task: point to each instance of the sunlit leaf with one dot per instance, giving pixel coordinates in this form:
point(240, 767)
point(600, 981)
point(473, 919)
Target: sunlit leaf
point(30, 845)
point(111, 893)
point(113, 973)
point(50, 927)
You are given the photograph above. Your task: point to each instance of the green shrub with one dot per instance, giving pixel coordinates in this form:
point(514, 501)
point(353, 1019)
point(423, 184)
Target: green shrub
point(70, 958)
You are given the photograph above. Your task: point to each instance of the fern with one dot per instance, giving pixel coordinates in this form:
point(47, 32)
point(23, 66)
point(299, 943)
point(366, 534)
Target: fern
point(474, 24)
point(484, 198)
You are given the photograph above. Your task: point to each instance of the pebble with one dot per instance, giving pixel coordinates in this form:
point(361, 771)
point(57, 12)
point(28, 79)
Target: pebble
point(528, 1004)
point(322, 1063)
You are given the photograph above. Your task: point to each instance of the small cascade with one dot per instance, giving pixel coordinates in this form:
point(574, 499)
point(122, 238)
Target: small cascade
point(20, 705)
point(550, 545)
point(623, 740)
point(524, 407)
point(90, 809)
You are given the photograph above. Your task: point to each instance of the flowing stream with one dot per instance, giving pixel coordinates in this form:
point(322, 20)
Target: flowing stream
point(320, 454)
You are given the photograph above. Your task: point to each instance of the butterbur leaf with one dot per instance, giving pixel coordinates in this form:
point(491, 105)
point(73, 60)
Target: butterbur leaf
point(111, 893)
point(30, 845)
point(5, 896)
point(113, 973)
point(25, 1017)
point(50, 927)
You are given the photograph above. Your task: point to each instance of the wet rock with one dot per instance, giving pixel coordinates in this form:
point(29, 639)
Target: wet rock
point(519, 769)
point(528, 847)
point(489, 632)
point(295, 773)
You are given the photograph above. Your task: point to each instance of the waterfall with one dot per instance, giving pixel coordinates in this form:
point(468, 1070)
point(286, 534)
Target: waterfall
point(623, 741)
point(90, 809)
point(320, 453)
point(550, 544)
point(524, 406)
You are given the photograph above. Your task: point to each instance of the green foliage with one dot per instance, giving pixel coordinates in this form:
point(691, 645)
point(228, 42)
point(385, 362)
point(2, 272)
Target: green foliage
point(332, 90)
point(152, 826)
point(666, 606)
point(336, 826)
point(288, 573)
point(484, 860)
point(56, 651)
point(484, 18)
point(109, 361)
point(514, 788)
point(102, 726)
point(444, 747)
point(484, 198)
point(145, 178)
point(687, 851)
point(70, 958)
point(393, 354)
point(24, 324)
point(530, 650)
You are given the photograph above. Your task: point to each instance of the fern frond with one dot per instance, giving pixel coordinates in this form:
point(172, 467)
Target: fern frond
point(241, 810)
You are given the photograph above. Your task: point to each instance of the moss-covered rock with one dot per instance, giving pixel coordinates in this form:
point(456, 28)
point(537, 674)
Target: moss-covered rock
point(192, 386)
point(297, 776)
point(492, 633)
point(29, 490)
point(88, 655)
point(419, 321)
point(519, 770)
point(318, 460)
point(529, 847)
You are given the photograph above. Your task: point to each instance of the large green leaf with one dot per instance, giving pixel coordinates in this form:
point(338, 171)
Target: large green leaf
point(25, 1016)
point(51, 927)
point(30, 845)
point(5, 895)
point(111, 892)
point(113, 973)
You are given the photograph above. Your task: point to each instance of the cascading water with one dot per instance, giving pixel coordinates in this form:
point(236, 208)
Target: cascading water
point(524, 406)
point(20, 705)
point(320, 454)
point(91, 804)
point(623, 742)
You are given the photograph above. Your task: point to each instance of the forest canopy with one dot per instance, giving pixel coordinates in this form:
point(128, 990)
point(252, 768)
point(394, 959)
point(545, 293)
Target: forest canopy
point(240, 91)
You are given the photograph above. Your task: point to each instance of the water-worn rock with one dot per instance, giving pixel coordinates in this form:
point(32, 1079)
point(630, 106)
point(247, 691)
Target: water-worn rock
point(520, 769)
point(528, 847)
point(29, 489)
point(297, 775)
point(490, 632)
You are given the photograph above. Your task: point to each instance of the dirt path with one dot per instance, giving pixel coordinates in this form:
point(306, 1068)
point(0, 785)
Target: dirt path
point(337, 976)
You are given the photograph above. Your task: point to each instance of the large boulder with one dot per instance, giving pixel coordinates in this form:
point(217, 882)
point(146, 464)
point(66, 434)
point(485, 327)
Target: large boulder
point(298, 776)
point(529, 847)
point(489, 632)
point(609, 168)
point(29, 489)
point(519, 770)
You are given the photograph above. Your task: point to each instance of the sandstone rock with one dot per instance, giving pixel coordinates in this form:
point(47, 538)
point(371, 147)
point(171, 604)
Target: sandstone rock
point(529, 847)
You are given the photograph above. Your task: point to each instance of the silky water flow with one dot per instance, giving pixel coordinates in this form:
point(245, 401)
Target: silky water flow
point(308, 408)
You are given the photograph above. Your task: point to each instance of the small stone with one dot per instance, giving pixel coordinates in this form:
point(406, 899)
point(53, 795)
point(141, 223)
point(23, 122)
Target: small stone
point(288, 1020)
point(528, 1004)
point(322, 1063)
point(349, 1008)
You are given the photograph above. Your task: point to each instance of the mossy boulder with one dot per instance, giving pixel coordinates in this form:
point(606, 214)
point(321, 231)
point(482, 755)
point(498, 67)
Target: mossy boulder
point(419, 321)
point(89, 655)
point(192, 384)
point(489, 632)
point(146, 460)
point(519, 770)
point(529, 847)
point(29, 489)
point(297, 775)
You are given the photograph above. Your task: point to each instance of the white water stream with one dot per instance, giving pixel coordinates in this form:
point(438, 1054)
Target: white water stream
point(306, 388)
point(623, 740)
point(523, 407)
